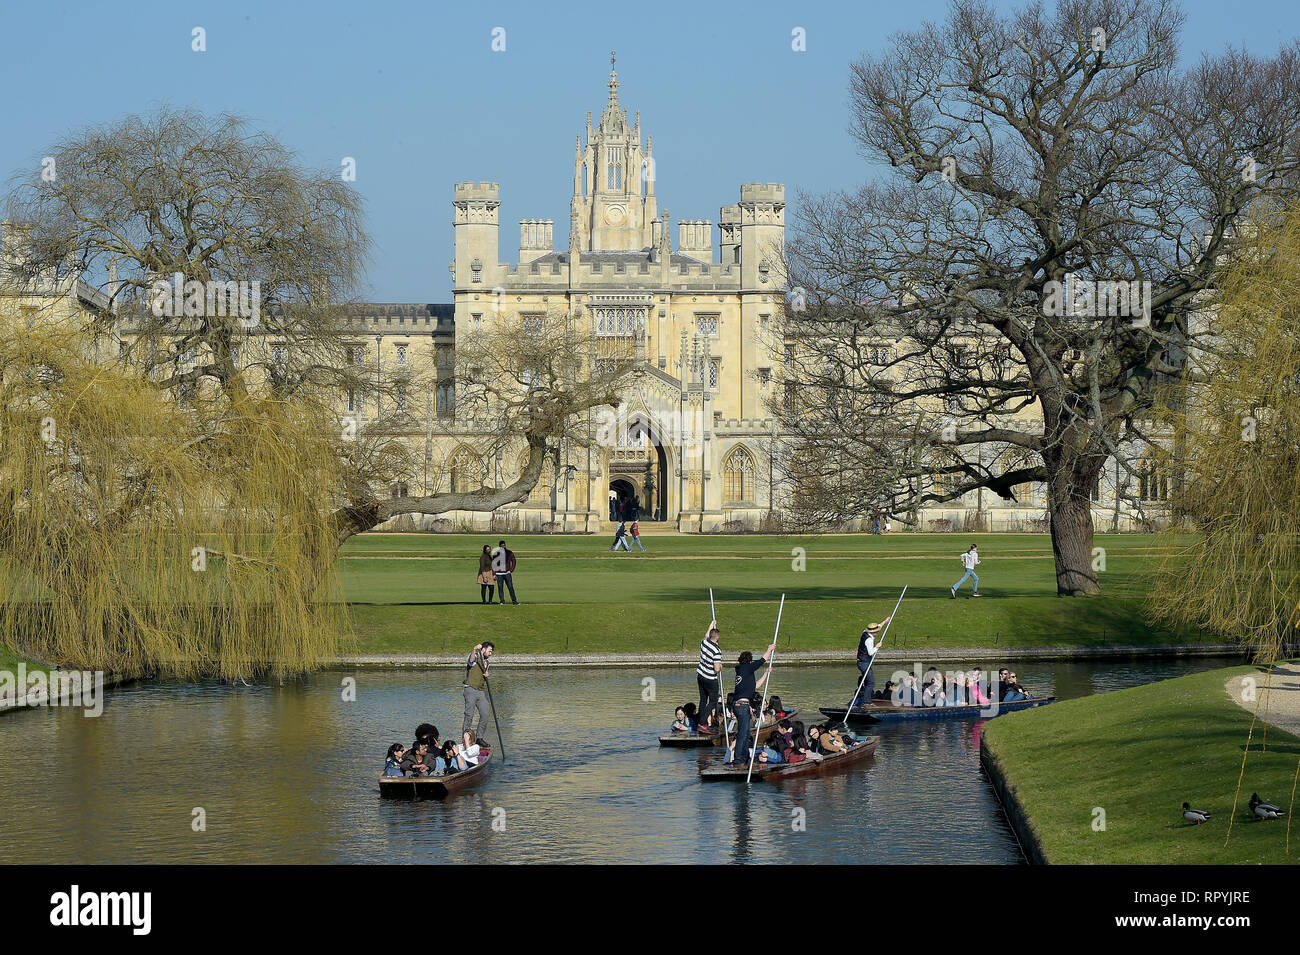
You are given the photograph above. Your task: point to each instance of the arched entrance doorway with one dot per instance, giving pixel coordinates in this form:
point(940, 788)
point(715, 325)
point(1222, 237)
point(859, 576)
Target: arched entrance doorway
point(625, 505)
point(639, 469)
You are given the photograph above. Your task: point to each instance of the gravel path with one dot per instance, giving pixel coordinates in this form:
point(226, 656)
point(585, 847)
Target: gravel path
point(1277, 695)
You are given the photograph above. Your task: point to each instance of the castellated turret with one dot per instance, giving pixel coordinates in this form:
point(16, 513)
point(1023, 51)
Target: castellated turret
point(762, 233)
point(477, 255)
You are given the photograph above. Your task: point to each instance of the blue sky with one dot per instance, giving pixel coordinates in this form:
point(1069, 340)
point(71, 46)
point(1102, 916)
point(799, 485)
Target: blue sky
point(414, 91)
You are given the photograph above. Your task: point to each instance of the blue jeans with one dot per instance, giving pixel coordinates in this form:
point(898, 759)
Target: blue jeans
point(504, 581)
point(637, 541)
point(743, 717)
point(973, 576)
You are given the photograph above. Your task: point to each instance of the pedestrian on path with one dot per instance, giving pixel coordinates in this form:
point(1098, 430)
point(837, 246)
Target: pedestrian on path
point(635, 537)
point(620, 537)
point(968, 560)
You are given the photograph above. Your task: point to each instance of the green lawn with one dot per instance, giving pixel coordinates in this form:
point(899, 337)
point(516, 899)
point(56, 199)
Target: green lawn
point(416, 593)
point(1139, 754)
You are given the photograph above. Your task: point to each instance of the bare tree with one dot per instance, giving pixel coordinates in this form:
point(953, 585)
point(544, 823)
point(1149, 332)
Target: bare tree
point(990, 296)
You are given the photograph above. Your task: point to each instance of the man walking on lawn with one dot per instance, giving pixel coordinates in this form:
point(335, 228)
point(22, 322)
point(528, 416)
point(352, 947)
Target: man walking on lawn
point(968, 560)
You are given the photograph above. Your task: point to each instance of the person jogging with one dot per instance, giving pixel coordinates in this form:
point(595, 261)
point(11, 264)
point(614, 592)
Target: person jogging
point(708, 674)
point(476, 669)
point(968, 560)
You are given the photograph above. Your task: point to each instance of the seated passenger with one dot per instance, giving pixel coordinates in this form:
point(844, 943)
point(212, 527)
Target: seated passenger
point(958, 696)
point(452, 760)
point(393, 764)
point(832, 742)
point(418, 761)
point(886, 693)
point(1015, 691)
point(429, 733)
point(692, 717)
point(681, 722)
point(974, 692)
point(470, 751)
point(778, 707)
point(933, 694)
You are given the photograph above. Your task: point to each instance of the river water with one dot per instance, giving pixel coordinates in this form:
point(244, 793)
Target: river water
point(288, 774)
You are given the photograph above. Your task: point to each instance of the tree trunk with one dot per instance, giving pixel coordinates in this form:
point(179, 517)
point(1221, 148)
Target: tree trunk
point(1071, 525)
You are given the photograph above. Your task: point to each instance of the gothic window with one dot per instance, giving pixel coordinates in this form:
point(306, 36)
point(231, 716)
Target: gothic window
point(713, 372)
point(1153, 482)
point(445, 397)
point(738, 476)
point(359, 355)
point(353, 403)
point(278, 354)
point(764, 377)
point(533, 323)
point(619, 322)
point(234, 355)
point(401, 354)
point(401, 397)
point(401, 490)
point(476, 271)
point(706, 325)
point(464, 468)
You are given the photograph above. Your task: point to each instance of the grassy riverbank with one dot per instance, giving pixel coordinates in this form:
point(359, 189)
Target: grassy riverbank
point(1139, 754)
point(416, 593)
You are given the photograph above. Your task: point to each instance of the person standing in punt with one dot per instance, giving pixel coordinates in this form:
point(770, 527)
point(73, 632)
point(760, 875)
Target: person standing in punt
point(747, 688)
point(476, 701)
point(867, 649)
point(708, 674)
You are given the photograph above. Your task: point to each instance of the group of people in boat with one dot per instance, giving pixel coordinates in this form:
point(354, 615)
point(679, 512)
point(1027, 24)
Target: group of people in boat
point(970, 687)
point(430, 756)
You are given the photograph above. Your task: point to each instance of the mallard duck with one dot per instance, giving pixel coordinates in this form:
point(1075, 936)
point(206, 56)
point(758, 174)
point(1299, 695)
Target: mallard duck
point(1197, 816)
point(1264, 810)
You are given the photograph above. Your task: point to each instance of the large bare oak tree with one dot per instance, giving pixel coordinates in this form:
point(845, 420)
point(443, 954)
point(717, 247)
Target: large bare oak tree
point(942, 334)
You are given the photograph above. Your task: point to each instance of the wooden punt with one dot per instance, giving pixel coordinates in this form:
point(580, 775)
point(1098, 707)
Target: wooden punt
point(434, 787)
point(718, 739)
point(777, 771)
point(888, 711)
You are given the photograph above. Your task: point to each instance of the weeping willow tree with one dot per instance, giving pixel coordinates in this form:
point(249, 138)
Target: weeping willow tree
point(182, 297)
point(139, 535)
point(1234, 428)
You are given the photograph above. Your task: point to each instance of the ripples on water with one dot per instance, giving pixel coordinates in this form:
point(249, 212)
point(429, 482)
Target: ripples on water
point(287, 774)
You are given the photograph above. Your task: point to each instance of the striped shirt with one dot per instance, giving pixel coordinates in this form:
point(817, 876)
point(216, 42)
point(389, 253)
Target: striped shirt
point(710, 653)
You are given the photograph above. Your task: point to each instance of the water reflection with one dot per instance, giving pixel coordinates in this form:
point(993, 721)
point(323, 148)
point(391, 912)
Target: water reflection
point(287, 774)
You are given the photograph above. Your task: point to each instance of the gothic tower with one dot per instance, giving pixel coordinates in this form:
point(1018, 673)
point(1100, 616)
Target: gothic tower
point(613, 203)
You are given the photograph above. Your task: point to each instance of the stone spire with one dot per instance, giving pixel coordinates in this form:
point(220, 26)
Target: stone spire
point(613, 80)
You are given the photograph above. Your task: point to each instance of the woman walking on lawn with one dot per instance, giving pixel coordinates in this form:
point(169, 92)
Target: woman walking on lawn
point(635, 537)
point(968, 560)
point(487, 580)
